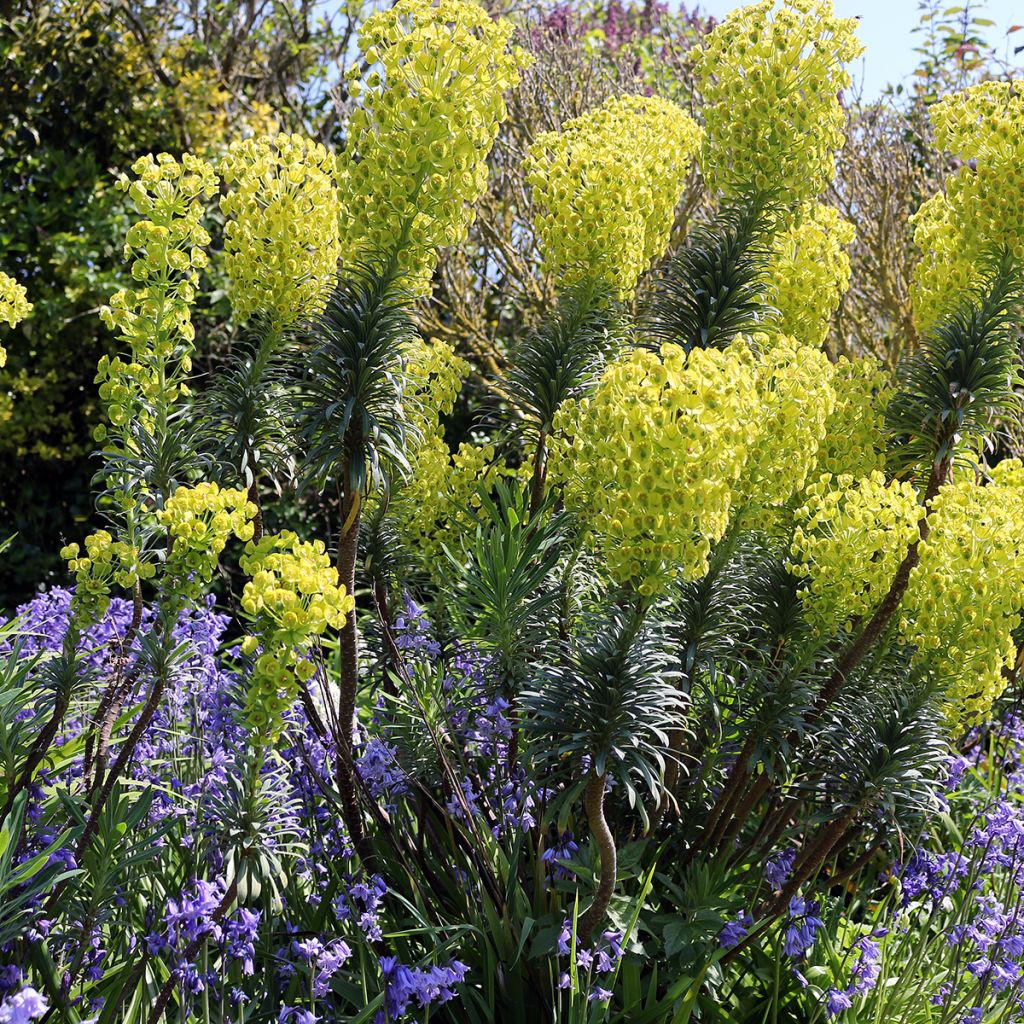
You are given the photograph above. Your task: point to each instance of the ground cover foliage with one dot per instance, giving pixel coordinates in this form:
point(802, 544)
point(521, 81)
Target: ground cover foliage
point(659, 663)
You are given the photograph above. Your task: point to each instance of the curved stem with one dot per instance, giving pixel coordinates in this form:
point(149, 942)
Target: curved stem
point(348, 684)
point(602, 834)
point(540, 473)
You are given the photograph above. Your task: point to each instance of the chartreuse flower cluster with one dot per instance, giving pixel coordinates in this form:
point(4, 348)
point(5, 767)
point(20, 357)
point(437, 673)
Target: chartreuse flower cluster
point(850, 537)
point(14, 306)
point(199, 521)
point(106, 563)
point(855, 436)
point(433, 379)
point(770, 76)
point(794, 398)
point(166, 253)
point(649, 462)
point(607, 186)
point(809, 273)
point(293, 597)
point(281, 230)
point(983, 205)
point(964, 597)
point(415, 159)
point(436, 505)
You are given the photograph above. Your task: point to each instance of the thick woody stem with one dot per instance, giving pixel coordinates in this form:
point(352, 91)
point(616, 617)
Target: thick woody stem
point(594, 804)
point(348, 642)
point(540, 472)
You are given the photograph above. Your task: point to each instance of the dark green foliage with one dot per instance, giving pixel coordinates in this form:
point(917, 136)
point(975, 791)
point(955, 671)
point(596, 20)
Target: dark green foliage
point(885, 749)
point(349, 397)
point(502, 595)
point(614, 699)
point(243, 414)
point(563, 357)
point(963, 378)
point(714, 288)
point(160, 460)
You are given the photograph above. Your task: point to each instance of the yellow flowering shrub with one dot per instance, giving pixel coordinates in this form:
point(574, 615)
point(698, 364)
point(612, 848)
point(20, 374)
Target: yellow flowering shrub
point(649, 462)
point(855, 438)
point(166, 250)
point(199, 521)
point(786, 423)
point(770, 75)
point(607, 186)
point(105, 563)
point(945, 274)
point(983, 204)
point(433, 379)
point(851, 536)
point(293, 597)
point(415, 158)
point(437, 505)
point(191, 93)
point(14, 306)
point(809, 272)
point(964, 597)
point(281, 230)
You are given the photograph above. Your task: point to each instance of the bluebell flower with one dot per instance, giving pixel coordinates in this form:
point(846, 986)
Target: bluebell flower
point(802, 930)
point(22, 1007)
point(778, 867)
point(836, 1001)
point(296, 1015)
point(734, 932)
point(564, 938)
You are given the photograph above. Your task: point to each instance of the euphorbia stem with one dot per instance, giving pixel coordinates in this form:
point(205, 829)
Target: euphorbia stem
point(36, 754)
point(348, 685)
point(540, 473)
point(593, 802)
point(113, 700)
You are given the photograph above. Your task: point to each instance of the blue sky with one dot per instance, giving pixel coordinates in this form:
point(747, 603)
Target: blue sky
point(886, 30)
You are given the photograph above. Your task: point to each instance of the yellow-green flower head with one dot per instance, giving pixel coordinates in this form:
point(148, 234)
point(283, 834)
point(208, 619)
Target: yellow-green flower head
point(282, 229)
point(14, 306)
point(771, 75)
point(607, 186)
point(786, 426)
point(436, 507)
point(809, 272)
point(981, 123)
point(850, 537)
point(964, 598)
point(294, 594)
point(983, 205)
point(415, 159)
point(293, 597)
point(106, 563)
point(433, 379)
point(855, 437)
point(946, 274)
point(649, 462)
point(199, 521)
point(166, 252)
